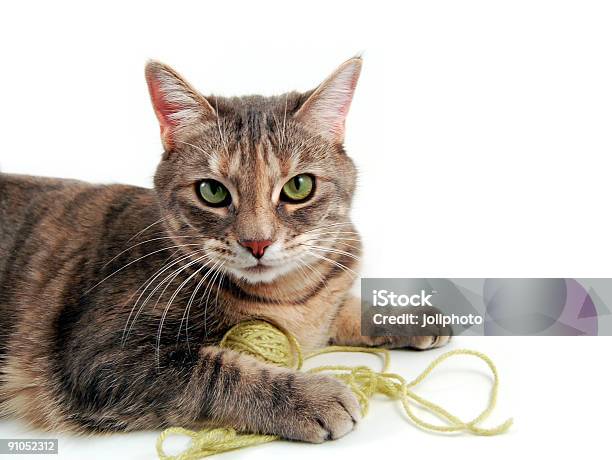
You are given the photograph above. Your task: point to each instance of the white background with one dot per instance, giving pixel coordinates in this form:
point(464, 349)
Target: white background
point(481, 131)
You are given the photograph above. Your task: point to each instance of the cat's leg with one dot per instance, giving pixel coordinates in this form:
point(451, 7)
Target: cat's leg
point(211, 386)
point(346, 330)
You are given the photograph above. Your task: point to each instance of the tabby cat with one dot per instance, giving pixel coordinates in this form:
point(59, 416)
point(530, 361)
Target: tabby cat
point(113, 297)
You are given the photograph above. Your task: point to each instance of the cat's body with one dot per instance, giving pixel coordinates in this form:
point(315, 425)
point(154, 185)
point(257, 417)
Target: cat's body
point(112, 297)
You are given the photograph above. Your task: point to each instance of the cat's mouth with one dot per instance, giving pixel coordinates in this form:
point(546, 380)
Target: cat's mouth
point(258, 273)
point(264, 270)
point(257, 268)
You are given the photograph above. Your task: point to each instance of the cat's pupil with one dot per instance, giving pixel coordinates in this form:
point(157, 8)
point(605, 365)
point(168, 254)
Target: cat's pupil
point(297, 182)
point(214, 188)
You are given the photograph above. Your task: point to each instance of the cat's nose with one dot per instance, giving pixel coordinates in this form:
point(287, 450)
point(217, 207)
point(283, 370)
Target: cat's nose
point(258, 248)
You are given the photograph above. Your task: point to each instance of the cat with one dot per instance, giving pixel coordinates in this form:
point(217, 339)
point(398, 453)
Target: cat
point(112, 297)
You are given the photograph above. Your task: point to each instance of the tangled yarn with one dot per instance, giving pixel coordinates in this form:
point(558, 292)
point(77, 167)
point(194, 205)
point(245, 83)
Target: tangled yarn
point(275, 346)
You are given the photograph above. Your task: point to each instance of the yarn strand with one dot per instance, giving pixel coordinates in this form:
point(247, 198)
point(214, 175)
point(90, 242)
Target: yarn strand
point(279, 347)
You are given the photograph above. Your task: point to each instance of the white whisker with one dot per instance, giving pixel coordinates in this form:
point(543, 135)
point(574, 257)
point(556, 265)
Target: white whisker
point(171, 301)
point(337, 264)
point(134, 261)
point(157, 275)
point(144, 242)
point(333, 232)
point(185, 316)
point(223, 140)
point(327, 226)
point(147, 227)
point(209, 289)
point(302, 263)
point(148, 280)
point(209, 155)
point(334, 242)
point(332, 251)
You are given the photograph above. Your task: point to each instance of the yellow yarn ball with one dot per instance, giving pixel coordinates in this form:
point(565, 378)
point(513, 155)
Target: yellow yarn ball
point(264, 341)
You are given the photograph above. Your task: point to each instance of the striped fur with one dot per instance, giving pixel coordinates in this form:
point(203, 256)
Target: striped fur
point(112, 297)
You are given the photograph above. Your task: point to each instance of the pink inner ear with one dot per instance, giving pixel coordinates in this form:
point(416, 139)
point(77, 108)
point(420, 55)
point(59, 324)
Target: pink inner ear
point(327, 108)
point(341, 118)
point(163, 109)
point(344, 108)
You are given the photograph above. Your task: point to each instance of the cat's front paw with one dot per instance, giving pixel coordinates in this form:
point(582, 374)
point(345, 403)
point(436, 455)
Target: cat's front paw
point(426, 342)
point(432, 335)
point(320, 409)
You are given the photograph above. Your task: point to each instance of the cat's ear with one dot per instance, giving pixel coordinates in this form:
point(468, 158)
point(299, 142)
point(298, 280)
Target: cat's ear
point(326, 109)
point(179, 107)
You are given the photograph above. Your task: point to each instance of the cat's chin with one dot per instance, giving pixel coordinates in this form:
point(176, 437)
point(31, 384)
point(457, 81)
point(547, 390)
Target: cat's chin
point(259, 273)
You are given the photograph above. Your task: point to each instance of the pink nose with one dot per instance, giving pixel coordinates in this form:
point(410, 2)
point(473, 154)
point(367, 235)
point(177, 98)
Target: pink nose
point(258, 248)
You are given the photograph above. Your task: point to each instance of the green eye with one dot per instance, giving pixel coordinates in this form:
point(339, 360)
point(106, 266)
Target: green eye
point(214, 193)
point(298, 189)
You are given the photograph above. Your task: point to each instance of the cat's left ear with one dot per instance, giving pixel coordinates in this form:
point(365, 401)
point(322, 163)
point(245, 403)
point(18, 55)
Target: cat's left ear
point(179, 107)
point(326, 109)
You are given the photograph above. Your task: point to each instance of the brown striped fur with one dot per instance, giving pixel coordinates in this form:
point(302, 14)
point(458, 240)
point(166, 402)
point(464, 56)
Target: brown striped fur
point(87, 345)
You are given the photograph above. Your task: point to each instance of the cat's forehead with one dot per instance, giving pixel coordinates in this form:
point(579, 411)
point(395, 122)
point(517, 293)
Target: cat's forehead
point(248, 145)
point(247, 161)
point(251, 120)
point(251, 125)
point(258, 135)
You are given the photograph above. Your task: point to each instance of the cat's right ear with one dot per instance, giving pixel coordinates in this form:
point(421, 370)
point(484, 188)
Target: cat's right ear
point(179, 107)
point(326, 108)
